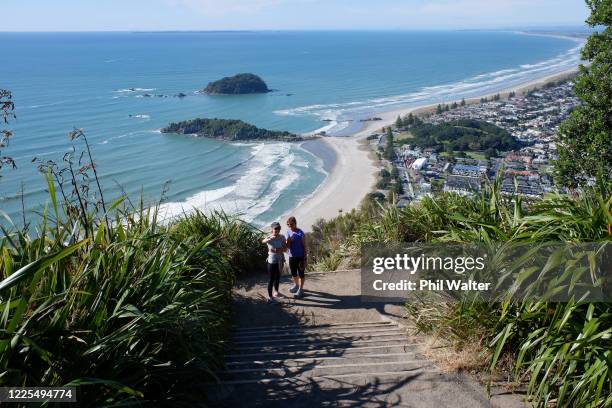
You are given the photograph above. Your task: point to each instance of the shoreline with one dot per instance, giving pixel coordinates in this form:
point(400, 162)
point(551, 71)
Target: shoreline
point(351, 178)
point(353, 174)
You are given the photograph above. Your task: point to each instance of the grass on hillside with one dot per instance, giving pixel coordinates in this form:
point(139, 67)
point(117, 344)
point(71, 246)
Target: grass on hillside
point(130, 311)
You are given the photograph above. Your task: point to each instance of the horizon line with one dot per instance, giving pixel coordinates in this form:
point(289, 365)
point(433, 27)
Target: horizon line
point(503, 28)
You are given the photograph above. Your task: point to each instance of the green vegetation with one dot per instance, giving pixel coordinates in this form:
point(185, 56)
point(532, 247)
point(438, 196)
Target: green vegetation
point(133, 312)
point(561, 350)
point(403, 136)
point(237, 85)
point(384, 179)
point(463, 135)
point(407, 121)
point(7, 111)
point(585, 139)
point(228, 129)
point(477, 155)
point(389, 152)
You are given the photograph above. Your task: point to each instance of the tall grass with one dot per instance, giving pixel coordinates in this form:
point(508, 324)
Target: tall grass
point(562, 351)
point(131, 311)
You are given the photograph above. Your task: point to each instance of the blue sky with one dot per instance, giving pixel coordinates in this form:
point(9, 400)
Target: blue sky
point(108, 15)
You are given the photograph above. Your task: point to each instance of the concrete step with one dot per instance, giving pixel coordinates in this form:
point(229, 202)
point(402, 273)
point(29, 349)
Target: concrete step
point(323, 337)
point(350, 358)
point(387, 347)
point(323, 370)
point(422, 388)
point(305, 331)
point(315, 326)
point(317, 345)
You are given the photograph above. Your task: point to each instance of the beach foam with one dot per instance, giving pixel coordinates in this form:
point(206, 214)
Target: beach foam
point(257, 183)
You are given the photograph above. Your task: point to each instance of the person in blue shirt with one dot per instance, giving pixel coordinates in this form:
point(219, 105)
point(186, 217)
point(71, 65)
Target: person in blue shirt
point(298, 254)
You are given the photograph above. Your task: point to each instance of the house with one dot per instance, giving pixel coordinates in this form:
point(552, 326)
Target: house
point(419, 163)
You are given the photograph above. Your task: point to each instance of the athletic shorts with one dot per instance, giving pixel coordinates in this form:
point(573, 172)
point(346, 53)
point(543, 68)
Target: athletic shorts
point(297, 266)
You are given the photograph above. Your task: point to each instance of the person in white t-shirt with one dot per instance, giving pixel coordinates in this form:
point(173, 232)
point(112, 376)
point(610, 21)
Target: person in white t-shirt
point(277, 246)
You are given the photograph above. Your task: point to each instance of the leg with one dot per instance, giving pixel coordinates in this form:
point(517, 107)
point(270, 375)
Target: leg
point(293, 267)
point(271, 273)
point(302, 273)
point(277, 278)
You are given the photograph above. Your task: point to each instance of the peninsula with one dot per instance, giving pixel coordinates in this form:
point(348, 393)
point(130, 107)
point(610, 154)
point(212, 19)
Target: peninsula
point(237, 85)
point(230, 130)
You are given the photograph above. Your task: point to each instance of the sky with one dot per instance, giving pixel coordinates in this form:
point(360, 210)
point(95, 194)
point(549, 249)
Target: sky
point(159, 15)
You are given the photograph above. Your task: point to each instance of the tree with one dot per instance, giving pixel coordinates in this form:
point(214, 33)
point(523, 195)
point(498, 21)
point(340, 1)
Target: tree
point(389, 133)
point(376, 196)
point(584, 140)
point(398, 188)
point(389, 153)
point(7, 111)
point(439, 109)
point(410, 120)
point(490, 152)
point(398, 122)
point(463, 102)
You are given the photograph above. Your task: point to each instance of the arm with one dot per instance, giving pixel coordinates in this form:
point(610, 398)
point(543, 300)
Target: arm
point(284, 247)
point(305, 244)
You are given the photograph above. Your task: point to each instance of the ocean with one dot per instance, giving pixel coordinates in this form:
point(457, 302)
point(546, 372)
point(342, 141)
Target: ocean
point(101, 82)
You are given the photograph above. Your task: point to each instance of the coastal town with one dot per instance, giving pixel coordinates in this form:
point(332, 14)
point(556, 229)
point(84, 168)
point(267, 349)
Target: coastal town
point(413, 171)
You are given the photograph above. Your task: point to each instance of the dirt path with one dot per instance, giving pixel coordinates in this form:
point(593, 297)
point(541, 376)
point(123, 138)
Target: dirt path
point(330, 349)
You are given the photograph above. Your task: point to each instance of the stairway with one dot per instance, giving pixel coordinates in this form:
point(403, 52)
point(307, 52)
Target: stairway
point(332, 349)
point(355, 363)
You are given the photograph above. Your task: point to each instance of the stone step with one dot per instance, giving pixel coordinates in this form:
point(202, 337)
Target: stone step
point(316, 376)
point(323, 337)
point(315, 326)
point(305, 331)
point(314, 345)
point(424, 388)
point(388, 347)
point(321, 360)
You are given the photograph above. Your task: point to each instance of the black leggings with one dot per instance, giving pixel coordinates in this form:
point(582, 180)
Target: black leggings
point(274, 272)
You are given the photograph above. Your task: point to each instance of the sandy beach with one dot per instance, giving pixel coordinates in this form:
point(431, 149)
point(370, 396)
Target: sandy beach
point(351, 178)
point(353, 174)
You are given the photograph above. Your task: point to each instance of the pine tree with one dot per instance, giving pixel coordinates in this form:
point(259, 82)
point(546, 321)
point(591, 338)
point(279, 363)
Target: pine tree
point(410, 119)
point(398, 122)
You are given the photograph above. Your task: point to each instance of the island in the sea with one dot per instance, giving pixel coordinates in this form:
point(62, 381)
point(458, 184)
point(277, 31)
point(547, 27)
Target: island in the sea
point(237, 85)
point(231, 130)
